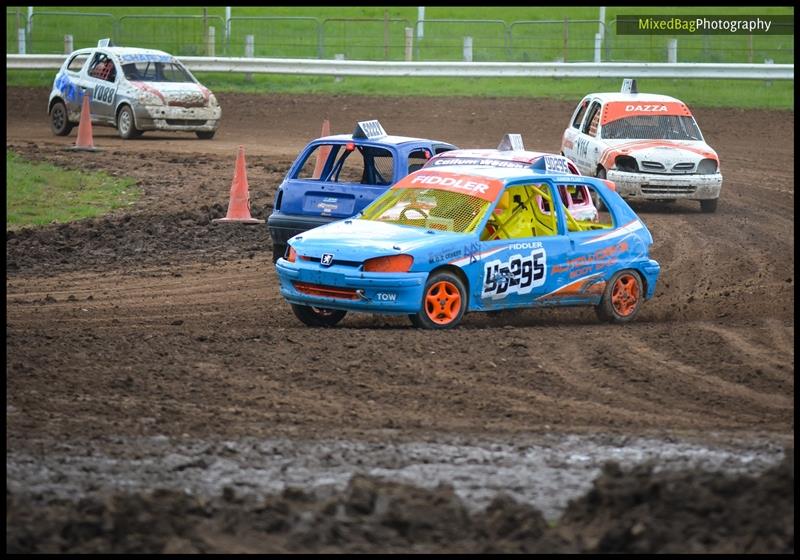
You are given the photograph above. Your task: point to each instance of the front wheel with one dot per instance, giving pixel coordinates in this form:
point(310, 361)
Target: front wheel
point(59, 121)
point(126, 126)
point(318, 316)
point(622, 298)
point(443, 302)
point(709, 206)
point(205, 134)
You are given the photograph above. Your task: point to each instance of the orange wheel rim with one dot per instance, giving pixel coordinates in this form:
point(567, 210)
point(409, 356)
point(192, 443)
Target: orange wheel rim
point(625, 295)
point(442, 302)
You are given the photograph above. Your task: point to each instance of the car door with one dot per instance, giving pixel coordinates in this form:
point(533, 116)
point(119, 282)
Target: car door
point(586, 148)
point(572, 132)
point(101, 78)
point(516, 269)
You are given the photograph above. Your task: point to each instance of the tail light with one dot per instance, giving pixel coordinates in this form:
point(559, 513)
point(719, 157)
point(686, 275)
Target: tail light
point(395, 263)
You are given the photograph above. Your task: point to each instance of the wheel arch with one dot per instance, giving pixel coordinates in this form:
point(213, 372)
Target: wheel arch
point(458, 271)
point(119, 109)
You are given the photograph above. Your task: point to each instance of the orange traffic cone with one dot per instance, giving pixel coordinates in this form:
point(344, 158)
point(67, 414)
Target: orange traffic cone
point(239, 205)
point(85, 143)
point(322, 154)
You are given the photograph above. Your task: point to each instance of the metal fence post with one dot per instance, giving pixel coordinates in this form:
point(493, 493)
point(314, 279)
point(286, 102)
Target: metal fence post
point(211, 40)
point(68, 44)
point(672, 51)
point(249, 52)
point(598, 41)
point(566, 37)
point(338, 57)
point(409, 43)
point(21, 40)
point(467, 49)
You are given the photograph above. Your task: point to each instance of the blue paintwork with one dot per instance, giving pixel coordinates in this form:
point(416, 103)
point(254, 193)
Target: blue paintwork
point(569, 258)
point(301, 205)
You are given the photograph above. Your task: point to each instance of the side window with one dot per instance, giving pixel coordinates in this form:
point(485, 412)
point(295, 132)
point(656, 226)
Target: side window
point(592, 120)
point(522, 211)
point(576, 122)
point(584, 208)
point(102, 68)
point(77, 62)
point(417, 159)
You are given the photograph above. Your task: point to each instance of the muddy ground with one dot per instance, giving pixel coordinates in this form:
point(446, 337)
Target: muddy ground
point(161, 396)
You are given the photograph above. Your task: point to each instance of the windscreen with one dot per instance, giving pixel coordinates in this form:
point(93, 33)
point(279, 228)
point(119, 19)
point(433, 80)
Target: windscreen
point(656, 127)
point(152, 71)
point(428, 208)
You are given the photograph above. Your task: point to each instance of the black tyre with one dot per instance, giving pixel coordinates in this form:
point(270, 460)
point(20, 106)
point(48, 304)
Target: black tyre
point(601, 173)
point(709, 206)
point(278, 250)
point(59, 119)
point(622, 298)
point(205, 134)
point(318, 316)
point(126, 125)
point(444, 301)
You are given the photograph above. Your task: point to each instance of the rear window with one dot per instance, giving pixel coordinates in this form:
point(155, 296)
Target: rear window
point(366, 165)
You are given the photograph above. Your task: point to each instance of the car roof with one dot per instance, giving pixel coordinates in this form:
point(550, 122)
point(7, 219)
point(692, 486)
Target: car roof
point(637, 97)
point(389, 139)
point(525, 156)
point(120, 51)
point(499, 173)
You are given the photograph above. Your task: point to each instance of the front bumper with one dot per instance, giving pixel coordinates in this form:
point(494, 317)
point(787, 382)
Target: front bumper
point(380, 292)
point(189, 119)
point(283, 227)
point(663, 187)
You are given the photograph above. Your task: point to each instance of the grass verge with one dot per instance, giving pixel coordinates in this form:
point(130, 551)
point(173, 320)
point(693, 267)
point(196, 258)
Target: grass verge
point(748, 94)
point(38, 194)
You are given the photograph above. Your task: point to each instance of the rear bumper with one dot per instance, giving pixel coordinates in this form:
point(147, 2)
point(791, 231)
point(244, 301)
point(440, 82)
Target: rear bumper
point(661, 187)
point(378, 292)
point(283, 227)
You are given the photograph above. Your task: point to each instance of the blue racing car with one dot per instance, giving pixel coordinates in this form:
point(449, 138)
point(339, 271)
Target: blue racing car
point(441, 243)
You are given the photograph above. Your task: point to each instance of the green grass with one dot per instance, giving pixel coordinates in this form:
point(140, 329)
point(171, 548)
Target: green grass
point(327, 31)
point(38, 194)
point(696, 93)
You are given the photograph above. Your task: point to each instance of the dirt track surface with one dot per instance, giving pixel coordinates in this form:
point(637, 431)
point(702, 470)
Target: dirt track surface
point(153, 324)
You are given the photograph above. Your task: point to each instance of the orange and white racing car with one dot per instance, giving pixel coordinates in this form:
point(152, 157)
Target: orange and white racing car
point(649, 145)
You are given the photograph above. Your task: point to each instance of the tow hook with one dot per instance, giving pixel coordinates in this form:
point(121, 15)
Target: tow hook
point(360, 293)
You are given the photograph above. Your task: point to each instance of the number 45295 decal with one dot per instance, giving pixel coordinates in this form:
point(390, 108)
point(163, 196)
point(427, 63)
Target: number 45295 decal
point(518, 275)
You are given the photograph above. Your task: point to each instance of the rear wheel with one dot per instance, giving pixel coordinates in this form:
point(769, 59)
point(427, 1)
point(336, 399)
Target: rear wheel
point(622, 298)
point(126, 126)
point(443, 302)
point(205, 134)
point(59, 121)
point(318, 316)
point(709, 206)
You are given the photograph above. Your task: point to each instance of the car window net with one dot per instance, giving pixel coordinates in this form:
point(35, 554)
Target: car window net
point(429, 209)
point(661, 127)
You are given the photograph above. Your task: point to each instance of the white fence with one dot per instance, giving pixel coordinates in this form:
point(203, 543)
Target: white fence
point(454, 69)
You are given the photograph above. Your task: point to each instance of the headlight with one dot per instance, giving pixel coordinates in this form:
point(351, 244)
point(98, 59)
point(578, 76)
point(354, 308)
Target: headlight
point(707, 167)
point(626, 163)
point(395, 263)
point(212, 101)
point(291, 254)
point(149, 98)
